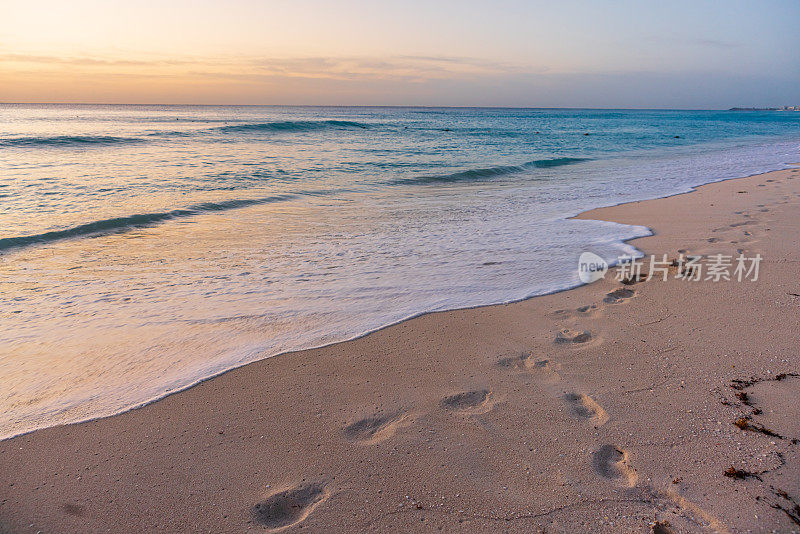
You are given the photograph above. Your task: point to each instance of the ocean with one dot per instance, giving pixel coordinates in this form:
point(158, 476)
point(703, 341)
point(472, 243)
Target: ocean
point(145, 248)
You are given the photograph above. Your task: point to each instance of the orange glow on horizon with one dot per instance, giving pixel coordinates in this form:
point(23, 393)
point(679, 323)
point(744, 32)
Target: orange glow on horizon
point(514, 52)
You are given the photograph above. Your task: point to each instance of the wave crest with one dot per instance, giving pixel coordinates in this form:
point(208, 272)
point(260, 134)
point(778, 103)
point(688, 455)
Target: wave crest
point(291, 126)
point(140, 220)
point(67, 140)
point(490, 172)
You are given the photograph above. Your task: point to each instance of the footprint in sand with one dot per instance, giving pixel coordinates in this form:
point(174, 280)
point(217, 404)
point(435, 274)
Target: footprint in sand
point(662, 527)
point(634, 279)
point(724, 229)
point(70, 509)
point(469, 401)
point(543, 369)
point(582, 311)
point(686, 510)
point(375, 428)
point(288, 507)
point(523, 361)
point(586, 407)
point(612, 463)
point(619, 295)
point(544, 364)
point(572, 337)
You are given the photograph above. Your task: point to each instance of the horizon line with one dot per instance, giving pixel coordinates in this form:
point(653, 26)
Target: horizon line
point(140, 104)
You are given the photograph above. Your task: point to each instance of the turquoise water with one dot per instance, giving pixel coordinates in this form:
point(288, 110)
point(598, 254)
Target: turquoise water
point(145, 248)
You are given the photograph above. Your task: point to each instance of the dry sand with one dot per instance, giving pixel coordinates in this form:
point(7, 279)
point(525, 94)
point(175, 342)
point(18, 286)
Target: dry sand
point(478, 420)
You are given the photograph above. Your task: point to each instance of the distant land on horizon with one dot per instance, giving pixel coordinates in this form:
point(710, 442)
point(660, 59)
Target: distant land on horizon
point(782, 108)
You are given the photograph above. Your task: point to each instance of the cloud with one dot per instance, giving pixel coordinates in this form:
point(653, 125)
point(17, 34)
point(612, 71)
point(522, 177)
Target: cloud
point(401, 67)
point(398, 68)
point(83, 60)
point(713, 43)
point(700, 42)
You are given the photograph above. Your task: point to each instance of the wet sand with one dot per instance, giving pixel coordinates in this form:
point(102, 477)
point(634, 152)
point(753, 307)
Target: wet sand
point(668, 405)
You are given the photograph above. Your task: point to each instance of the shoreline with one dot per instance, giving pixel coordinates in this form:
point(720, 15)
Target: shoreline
point(579, 215)
point(482, 406)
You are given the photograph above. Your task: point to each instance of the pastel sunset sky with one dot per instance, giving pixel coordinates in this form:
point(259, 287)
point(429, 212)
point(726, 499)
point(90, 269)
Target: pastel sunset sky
point(573, 53)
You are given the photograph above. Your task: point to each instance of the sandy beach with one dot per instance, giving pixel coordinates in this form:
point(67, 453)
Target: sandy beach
point(664, 406)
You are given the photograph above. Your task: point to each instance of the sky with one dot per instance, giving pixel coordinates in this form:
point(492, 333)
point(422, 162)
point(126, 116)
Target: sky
point(569, 53)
